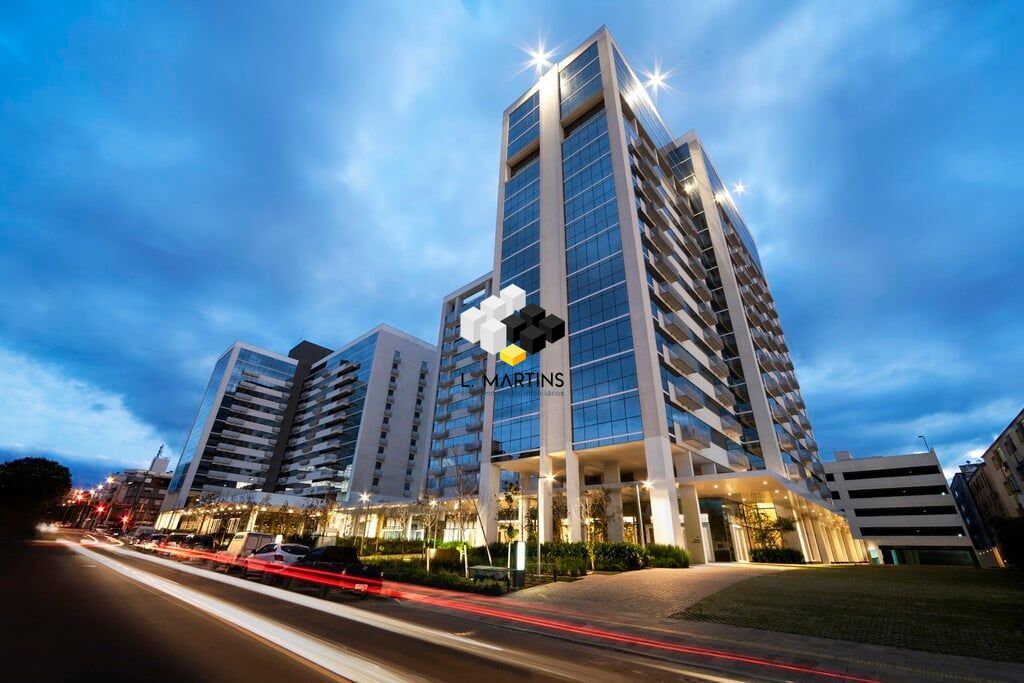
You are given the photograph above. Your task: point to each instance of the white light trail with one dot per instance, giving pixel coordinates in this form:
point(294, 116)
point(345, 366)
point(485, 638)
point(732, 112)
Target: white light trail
point(335, 659)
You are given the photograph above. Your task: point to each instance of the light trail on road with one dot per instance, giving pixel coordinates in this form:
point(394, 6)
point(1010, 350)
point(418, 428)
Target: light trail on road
point(337, 660)
point(456, 602)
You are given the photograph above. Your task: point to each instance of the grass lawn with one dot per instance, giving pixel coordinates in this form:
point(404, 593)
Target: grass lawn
point(952, 610)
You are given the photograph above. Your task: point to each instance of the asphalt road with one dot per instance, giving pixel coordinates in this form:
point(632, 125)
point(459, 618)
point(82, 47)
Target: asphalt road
point(105, 612)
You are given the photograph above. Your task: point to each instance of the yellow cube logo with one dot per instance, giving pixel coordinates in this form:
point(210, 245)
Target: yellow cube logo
point(512, 354)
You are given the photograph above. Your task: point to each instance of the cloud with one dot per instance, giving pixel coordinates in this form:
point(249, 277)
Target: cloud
point(44, 411)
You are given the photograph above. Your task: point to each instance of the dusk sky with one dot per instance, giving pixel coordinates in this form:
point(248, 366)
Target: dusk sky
point(179, 176)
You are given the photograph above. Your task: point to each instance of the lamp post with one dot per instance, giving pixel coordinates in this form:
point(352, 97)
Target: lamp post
point(921, 436)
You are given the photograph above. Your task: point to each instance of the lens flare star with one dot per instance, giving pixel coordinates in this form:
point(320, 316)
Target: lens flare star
point(739, 188)
point(540, 57)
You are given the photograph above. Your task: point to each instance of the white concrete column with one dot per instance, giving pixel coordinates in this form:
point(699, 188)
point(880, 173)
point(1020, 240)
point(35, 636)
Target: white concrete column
point(692, 540)
point(792, 539)
point(662, 492)
point(613, 512)
point(573, 481)
point(825, 553)
point(487, 504)
point(408, 528)
point(523, 480)
point(544, 500)
point(812, 550)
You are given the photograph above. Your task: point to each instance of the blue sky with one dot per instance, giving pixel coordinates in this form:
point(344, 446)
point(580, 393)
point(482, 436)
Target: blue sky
point(178, 176)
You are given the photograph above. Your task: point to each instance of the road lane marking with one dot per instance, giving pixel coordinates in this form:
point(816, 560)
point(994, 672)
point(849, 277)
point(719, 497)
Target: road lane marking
point(404, 628)
point(325, 655)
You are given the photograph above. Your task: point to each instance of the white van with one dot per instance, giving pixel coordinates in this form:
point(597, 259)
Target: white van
point(244, 543)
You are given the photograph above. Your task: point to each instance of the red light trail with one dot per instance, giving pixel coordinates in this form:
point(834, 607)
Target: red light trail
point(484, 607)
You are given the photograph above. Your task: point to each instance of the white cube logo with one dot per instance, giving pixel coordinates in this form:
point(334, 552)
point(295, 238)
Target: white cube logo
point(470, 322)
point(496, 308)
point(492, 336)
point(514, 296)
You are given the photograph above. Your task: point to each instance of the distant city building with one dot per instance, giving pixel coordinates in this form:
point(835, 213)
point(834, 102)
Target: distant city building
point(1004, 463)
point(134, 496)
point(314, 423)
point(901, 507)
point(977, 527)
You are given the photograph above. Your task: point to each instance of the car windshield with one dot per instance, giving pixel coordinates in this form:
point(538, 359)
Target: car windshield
point(295, 549)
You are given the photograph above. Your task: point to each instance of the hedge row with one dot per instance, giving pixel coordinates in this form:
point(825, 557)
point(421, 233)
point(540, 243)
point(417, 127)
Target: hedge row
point(777, 555)
point(407, 572)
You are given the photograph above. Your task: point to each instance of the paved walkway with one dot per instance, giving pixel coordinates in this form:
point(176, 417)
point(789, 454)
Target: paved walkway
point(649, 592)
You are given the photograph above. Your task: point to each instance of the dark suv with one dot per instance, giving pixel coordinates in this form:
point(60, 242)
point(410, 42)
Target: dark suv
point(342, 560)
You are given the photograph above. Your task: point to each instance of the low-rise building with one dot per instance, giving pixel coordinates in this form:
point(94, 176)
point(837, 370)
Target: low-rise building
point(901, 507)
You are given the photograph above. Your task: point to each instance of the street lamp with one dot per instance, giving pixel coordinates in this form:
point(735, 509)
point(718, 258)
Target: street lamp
point(921, 436)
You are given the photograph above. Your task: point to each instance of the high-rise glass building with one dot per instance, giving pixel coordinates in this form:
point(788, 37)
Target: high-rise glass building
point(314, 423)
point(679, 403)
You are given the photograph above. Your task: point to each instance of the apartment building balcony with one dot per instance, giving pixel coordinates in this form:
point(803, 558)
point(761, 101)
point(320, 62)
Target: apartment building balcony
point(474, 427)
point(475, 406)
point(663, 267)
point(445, 382)
point(675, 327)
point(794, 471)
point(707, 314)
point(685, 396)
point(695, 266)
point(383, 441)
point(713, 340)
point(679, 360)
point(701, 289)
point(738, 459)
point(731, 426)
point(670, 295)
point(718, 366)
point(724, 396)
point(809, 443)
point(692, 435)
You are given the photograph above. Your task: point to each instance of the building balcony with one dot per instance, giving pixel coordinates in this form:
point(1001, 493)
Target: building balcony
point(731, 426)
point(712, 339)
point(670, 294)
point(707, 314)
point(679, 360)
point(685, 396)
point(702, 291)
point(724, 396)
point(692, 435)
point(718, 366)
point(738, 459)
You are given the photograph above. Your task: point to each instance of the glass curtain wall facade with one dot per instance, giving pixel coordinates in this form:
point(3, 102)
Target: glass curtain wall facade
point(603, 221)
point(232, 437)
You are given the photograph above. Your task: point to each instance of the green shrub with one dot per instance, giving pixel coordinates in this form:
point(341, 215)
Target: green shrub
point(617, 557)
point(566, 559)
point(777, 555)
point(659, 555)
point(409, 572)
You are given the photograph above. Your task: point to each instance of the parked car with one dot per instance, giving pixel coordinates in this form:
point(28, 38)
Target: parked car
point(342, 560)
point(171, 541)
point(277, 553)
point(151, 542)
point(243, 544)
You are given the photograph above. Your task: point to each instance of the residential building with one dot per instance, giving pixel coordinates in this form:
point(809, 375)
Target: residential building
point(315, 423)
point(1004, 464)
point(901, 507)
point(133, 497)
point(674, 396)
point(454, 466)
point(974, 521)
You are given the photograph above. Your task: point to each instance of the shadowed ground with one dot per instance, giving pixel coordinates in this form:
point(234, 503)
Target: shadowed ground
point(952, 610)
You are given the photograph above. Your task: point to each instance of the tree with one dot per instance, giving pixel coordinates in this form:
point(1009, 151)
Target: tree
point(764, 531)
point(27, 487)
point(594, 509)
